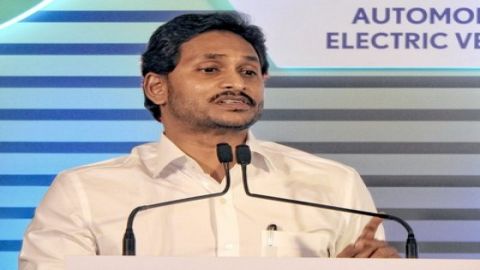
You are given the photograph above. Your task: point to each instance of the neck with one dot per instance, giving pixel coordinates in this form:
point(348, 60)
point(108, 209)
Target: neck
point(201, 146)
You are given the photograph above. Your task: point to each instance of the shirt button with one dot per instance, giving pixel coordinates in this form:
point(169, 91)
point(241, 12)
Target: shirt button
point(223, 201)
point(229, 246)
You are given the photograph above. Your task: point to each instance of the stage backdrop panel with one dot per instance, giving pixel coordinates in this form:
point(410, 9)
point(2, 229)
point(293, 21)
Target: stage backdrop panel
point(70, 95)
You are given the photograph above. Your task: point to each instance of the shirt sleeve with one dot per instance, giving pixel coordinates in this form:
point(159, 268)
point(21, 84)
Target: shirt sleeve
point(358, 197)
point(58, 229)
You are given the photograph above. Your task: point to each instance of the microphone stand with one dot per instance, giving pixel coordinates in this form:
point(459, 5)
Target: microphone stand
point(243, 156)
point(224, 153)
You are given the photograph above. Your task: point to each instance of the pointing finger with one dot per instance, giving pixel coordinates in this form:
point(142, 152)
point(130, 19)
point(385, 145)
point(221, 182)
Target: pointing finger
point(371, 228)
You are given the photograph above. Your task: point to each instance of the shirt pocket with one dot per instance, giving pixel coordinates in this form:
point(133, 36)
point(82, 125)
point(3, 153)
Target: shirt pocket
point(295, 244)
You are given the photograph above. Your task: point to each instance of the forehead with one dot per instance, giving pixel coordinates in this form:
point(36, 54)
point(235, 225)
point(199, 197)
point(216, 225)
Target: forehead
point(216, 42)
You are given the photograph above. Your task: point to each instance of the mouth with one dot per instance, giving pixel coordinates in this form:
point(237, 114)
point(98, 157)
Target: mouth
point(236, 101)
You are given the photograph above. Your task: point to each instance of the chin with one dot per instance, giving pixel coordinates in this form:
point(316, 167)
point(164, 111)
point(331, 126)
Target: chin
point(235, 125)
point(236, 121)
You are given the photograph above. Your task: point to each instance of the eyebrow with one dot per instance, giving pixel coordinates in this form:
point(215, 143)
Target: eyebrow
point(219, 55)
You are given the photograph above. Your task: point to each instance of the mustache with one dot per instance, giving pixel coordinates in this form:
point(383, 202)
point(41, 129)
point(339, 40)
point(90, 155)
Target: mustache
point(249, 99)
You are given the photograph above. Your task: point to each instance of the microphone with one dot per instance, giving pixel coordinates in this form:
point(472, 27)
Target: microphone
point(243, 156)
point(225, 156)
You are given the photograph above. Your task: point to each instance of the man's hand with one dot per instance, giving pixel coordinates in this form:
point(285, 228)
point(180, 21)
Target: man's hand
point(367, 246)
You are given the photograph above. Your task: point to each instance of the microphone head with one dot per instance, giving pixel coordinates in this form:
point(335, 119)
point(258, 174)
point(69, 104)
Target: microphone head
point(243, 154)
point(224, 153)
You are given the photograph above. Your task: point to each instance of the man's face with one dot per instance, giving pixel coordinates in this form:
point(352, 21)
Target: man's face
point(217, 83)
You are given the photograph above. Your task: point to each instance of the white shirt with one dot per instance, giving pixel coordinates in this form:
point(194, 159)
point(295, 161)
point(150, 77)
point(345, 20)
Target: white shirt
point(85, 210)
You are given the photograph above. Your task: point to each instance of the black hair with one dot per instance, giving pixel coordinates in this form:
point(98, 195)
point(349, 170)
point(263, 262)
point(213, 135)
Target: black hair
point(163, 50)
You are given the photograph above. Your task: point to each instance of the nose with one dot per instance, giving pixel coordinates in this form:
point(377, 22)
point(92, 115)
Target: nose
point(233, 80)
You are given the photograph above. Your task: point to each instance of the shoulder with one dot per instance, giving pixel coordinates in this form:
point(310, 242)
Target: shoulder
point(112, 168)
point(321, 179)
point(292, 158)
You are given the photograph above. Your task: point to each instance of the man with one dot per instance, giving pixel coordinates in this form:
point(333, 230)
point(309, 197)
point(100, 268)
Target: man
point(204, 81)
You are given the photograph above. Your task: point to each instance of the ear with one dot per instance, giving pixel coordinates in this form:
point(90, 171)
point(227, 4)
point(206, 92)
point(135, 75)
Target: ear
point(155, 88)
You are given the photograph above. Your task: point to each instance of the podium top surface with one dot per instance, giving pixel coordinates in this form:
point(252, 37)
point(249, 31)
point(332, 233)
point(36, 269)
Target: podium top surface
point(237, 263)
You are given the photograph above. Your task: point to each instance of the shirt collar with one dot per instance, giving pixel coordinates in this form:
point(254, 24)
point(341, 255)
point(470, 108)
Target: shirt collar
point(161, 155)
point(165, 152)
point(260, 156)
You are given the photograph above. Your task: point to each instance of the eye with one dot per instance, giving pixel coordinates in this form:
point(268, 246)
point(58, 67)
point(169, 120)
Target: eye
point(249, 72)
point(208, 69)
